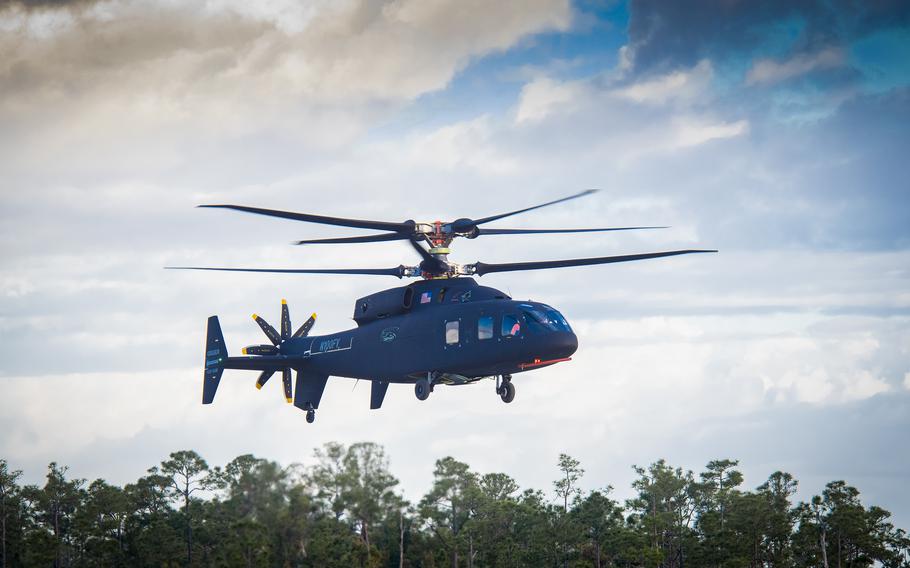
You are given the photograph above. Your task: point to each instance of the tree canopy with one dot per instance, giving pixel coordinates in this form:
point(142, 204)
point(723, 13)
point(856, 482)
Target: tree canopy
point(346, 509)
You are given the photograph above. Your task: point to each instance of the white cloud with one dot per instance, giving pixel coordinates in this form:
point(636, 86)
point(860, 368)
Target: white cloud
point(690, 132)
point(769, 71)
point(539, 97)
point(185, 76)
point(686, 86)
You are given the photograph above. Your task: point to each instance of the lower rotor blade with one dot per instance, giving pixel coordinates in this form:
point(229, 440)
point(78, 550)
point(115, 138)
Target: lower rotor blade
point(364, 239)
point(541, 231)
point(398, 271)
point(286, 382)
point(263, 378)
point(268, 330)
point(285, 320)
point(481, 268)
point(260, 350)
point(304, 329)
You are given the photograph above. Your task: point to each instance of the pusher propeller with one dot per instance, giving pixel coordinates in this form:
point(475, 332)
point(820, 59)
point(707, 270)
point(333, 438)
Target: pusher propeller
point(275, 349)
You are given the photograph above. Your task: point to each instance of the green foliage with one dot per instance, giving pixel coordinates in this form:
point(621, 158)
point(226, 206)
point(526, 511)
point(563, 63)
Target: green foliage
point(343, 511)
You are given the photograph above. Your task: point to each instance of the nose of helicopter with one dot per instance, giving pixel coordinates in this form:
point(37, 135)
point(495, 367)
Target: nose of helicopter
point(564, 344)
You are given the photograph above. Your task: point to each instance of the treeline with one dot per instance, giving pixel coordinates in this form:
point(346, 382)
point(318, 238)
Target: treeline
point(345, 511)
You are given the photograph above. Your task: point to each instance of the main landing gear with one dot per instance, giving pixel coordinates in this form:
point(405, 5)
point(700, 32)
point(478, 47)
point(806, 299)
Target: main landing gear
point(505, 389)
point(423, 387)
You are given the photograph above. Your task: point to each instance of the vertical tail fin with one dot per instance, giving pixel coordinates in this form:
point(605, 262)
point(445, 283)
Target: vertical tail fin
point(215, 356)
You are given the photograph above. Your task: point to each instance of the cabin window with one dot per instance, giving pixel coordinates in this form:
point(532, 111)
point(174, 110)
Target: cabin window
point(451, 332)
point(510, 325)
point(485, 327)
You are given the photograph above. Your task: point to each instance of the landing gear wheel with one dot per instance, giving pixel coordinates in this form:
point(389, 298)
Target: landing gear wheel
point(507, 392)
point(310, 415)
point(422, 389)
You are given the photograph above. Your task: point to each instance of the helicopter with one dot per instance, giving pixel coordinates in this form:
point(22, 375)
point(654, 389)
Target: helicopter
point(444, 329)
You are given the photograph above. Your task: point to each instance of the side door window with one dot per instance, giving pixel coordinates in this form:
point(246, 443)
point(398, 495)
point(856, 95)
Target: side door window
point(452, 332)
point(485, 327)
point(511, 326)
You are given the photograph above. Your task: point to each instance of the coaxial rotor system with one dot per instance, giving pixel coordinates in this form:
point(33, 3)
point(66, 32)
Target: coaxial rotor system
point(438, 236)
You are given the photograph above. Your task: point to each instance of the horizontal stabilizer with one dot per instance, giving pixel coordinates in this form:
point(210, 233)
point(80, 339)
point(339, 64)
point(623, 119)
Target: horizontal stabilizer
point(264, 363)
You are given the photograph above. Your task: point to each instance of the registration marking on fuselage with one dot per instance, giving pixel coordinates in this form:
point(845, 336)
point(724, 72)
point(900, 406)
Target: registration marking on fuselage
point(330, 345)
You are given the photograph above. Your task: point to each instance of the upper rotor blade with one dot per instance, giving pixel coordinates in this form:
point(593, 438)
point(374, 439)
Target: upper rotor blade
point(364, 239)
point(510, 213)
point(323, 219)
point(540, 231)
point(481, 268)
point(398, 271)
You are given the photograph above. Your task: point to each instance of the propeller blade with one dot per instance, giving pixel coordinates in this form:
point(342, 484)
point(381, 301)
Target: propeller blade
point(285, 320)
point(481, 268)
point(526, 209)
point(321, 219)
point(286, 382)
point(399, 271)
point(364, 239)
point(268, 330)
point(260, 350)
point(541, 231)
point(263, 378)
point(304, 329)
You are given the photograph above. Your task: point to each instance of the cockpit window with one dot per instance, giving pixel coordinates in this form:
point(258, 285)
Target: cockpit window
point(547, 318)
point(510, 326)
point(558, 319)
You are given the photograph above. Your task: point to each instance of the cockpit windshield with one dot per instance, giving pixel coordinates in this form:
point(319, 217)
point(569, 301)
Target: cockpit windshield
point(546, 317)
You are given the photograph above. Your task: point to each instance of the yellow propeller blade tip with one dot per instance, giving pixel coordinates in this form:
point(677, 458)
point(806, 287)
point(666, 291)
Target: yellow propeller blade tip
point(255, 316)
point(258, 386)
point(287, 399)
point(314, 315)
point(243, 350)
point(283, 301)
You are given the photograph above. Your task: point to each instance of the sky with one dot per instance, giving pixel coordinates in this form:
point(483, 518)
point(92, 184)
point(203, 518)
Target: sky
point(775, 132)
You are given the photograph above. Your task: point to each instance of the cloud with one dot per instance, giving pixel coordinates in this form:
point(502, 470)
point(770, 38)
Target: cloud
point(769, 71)
point(686, 85)
point(349, 51)
point(541, 95)
point(231, 71)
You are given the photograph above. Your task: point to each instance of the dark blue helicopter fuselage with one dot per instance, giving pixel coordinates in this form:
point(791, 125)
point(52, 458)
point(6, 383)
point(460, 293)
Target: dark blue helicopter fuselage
point(452, 327)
